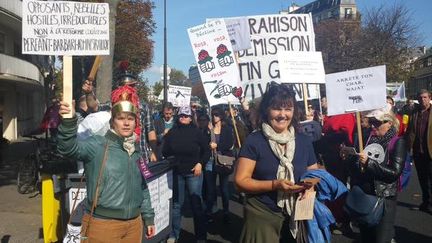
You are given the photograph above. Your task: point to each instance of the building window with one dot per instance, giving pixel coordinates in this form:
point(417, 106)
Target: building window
point(348, 13)
point(429, 62)
point(2, 42)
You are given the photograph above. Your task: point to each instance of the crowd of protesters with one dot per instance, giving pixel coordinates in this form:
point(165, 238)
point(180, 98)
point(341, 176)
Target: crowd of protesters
point(276, 145)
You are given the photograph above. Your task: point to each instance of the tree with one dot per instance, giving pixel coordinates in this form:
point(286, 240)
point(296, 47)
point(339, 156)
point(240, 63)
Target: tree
point(134, 27)
point(388, 34)
point(157, 88)
point(384, 38)
point(177, 77)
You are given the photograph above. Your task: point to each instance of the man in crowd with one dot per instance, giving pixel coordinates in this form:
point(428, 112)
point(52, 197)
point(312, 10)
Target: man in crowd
point(420, 137)
point(164, 124)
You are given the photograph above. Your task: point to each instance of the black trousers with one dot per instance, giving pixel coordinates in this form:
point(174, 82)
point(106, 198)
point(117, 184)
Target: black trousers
point(423, 165)
point(384, 231)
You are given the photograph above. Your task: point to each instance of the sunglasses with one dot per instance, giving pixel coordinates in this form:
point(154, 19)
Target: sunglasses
point(375, 122)
point(183, 116)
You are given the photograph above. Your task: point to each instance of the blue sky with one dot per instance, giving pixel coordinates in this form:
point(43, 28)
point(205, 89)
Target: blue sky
point(183, 14)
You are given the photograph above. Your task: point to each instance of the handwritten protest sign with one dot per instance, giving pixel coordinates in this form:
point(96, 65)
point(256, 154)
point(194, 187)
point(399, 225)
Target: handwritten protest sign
point(179, 95)
point(301, 67)
point(238, 31)
point(65, 28)
point(216, 63)
point(356, 90)
point(160, 195)
point(271, 34)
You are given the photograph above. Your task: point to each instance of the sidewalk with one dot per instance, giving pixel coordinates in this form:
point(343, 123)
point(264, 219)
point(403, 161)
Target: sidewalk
point(21, 214)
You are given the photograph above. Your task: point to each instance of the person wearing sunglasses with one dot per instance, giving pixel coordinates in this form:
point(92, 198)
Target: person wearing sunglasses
point(377, 169)
point(191, 151)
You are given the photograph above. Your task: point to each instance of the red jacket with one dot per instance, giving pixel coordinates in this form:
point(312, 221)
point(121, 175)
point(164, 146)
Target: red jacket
point(344, 123)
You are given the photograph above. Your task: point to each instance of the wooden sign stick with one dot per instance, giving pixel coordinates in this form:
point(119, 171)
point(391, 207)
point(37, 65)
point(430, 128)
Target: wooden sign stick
point(95, 67)
point(305, 98)
point(234, 125)
point(67, 83)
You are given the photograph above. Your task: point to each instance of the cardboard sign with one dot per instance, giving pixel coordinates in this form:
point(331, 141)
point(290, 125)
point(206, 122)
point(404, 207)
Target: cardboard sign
point(65, 28)
point(271, 34)
point(216, 62)
point(238, 31)
point(357, 90)
point(179, 95)
point(80, 197)
point(301, 67)
point(160, 195)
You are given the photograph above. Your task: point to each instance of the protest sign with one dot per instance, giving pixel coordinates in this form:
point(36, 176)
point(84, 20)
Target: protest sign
point(179, 95)
point(160, 195)
point(65, 28)
point(238, 31)
point(216, 63)
point(301, 67)
point(269, 35)
point(356, 90)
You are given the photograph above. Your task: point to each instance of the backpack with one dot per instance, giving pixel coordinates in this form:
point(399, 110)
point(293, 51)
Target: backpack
point(406, 172)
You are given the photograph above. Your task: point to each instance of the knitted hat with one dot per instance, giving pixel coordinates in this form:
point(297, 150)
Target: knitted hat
point(185, 110)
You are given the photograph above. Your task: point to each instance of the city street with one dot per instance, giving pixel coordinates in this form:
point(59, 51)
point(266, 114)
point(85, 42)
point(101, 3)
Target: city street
point(21, 214)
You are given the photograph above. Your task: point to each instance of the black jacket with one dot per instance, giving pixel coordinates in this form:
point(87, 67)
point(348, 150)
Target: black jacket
point(188, 145)
point(226, 140)
point(382, 179)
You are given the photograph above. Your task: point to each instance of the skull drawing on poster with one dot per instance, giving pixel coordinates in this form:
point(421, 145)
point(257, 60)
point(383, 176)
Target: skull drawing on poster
point(205, 61)
point(376, 152)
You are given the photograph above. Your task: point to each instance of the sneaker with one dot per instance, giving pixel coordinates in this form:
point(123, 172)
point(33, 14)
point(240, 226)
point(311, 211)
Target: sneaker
point(171, 240)
point(393, 241)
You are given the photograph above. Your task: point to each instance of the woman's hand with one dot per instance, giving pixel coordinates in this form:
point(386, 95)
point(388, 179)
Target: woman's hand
point(197, 169)
point(65, 108)
point(286, 186)
point(151, 230)
point(363, 158)
point(213, 145)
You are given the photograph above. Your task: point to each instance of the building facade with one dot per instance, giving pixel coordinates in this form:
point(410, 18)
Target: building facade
point(422, 77)
point(22, 100)
point(329, 9)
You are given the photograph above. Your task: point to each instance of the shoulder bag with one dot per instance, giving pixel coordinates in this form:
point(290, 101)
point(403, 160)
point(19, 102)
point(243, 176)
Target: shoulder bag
point(223, 164)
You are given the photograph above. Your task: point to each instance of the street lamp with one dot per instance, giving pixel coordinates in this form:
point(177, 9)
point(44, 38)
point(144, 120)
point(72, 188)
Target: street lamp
point(165, 73)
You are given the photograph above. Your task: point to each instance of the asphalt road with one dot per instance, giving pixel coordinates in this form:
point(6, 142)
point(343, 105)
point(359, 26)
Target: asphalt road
point(21, 214)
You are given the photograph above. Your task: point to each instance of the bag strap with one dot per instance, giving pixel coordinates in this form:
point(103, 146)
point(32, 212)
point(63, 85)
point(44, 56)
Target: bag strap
point(95, 199)
point(74, 209)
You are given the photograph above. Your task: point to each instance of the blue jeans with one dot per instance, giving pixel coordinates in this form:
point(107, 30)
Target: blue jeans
point(210, 177)
point(194, 189)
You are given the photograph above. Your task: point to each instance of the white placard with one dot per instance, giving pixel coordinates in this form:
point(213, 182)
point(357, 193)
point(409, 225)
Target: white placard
point(216, 62)
point(271, 34)
point(179, 95)
point(65, 28)
point(301, 67)
point(356, 90)
point(160, 194)
point(312, 91)
point(73, 193)
point(238, 31)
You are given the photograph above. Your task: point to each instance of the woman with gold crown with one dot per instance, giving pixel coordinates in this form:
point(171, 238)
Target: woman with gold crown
point(118, 200)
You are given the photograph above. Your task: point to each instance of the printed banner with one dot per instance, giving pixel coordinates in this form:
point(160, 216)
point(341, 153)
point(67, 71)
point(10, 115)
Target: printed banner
point(301, 67)
point(216, 63)
point(271, 34)
point(65, 28)
point(356, 90)
point(179, 95)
